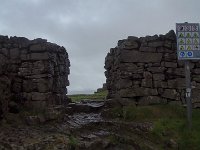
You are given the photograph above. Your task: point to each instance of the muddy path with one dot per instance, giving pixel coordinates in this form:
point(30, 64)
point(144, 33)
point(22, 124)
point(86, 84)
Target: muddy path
point(85, 126)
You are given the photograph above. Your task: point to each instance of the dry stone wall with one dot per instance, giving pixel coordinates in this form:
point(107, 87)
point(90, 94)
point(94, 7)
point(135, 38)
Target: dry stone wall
point(32, 73)
point(146, 71)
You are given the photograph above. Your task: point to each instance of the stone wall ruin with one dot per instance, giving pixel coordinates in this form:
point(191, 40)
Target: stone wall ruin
point(32, 73)
point(145, 71)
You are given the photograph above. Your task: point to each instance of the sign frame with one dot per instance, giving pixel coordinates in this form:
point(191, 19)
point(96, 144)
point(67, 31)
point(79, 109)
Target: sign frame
point(188, 41)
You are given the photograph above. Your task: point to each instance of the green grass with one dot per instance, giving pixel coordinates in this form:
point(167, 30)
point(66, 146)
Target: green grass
point(169, 122)
point(73, 142)
point(96, 96)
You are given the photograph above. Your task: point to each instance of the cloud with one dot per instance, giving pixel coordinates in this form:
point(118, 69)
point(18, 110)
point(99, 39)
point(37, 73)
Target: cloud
point(89, 28)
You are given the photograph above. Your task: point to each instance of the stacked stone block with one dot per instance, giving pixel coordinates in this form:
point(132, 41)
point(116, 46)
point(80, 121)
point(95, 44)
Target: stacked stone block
point(146, 71)
point(35, 72)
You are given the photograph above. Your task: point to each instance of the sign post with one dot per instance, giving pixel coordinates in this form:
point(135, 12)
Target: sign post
point(188, 48)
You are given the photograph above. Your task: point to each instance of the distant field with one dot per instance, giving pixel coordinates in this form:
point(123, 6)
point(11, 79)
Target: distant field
point(96, 96)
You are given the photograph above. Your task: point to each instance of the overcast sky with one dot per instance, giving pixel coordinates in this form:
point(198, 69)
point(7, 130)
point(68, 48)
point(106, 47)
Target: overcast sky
point(89, 28)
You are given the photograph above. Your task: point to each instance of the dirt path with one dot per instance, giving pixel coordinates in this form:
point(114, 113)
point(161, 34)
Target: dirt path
point(84, 127)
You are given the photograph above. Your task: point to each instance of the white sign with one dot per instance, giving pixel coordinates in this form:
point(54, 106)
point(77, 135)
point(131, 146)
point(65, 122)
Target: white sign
point(188, 41)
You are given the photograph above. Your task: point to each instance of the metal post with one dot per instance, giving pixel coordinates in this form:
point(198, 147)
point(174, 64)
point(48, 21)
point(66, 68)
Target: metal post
point(188, 93)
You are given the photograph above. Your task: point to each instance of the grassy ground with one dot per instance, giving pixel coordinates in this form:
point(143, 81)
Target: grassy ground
point(95, 96)
point(169, 124)
point(169, 121)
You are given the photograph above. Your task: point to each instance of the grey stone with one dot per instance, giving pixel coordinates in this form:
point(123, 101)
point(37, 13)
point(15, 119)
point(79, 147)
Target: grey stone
point(130, 67)
point(196, 105)
point(124, 83)
point(40, 56)
point(195, 95)
point(171, 94)
point(158, 77)
point(147, 49)
point(126, 101)
point(170, 57)
point(147, 75)
point(147, 83)
point(149, 100)
point(129, 45)
point(134, 92)
point(156, 44)
point(14, 53)
point(160, 84)
point(197, 71)
point(196, 78)
point(178, 83)
point(134, 56)
point(164, 50)
point(156, 69)
point(37, 48)
point(171, 35)
point(170, 64)
point(36, 96)
point(168, 44)
point(176, 71)
point(4, 51)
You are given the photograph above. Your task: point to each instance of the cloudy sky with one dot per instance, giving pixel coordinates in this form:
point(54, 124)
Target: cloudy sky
point(89, 28)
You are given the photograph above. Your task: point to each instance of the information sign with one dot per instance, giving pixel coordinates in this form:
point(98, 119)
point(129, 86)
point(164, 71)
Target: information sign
point(188, 45)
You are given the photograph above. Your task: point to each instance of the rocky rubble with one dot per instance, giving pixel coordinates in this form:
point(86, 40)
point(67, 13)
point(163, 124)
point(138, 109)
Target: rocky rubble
point(146, 71)
point(33, 73)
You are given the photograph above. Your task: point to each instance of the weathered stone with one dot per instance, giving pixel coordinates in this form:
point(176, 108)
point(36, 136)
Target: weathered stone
point(153, 65)
point(147, 83)
point(156, 44)
point(178, 83)
point(171, 35)
point(171, 94)
point(30, 67)
point(147, 49)
point(196, 105)
point(4, 51)
point(156, 69)
point(134, 92)
point(160, 84)
point(37, 48)
point(36, 96)
point(124, 83)
point(149, 100)
point(197, 71)
point(170, 57)
point(158, 77)
point(147, 75)
point(164, 50)
point(134, 56)
point(127, 101)
point(150, 38)
point(130, 67)
point(129, 45)
point(176, 71)
point(196, 95)
point(196, 78)
point(14, 53)
point(170, 64)
point(40, 56)
point(168, 44)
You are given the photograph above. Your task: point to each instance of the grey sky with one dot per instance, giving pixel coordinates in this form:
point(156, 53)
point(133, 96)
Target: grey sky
point(89, 28)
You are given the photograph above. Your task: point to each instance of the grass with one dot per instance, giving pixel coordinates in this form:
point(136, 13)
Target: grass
point(169, 123)
point(96, 96)
point(73, 142)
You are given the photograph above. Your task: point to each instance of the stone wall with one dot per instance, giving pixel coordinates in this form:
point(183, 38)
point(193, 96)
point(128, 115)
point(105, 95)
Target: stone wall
point(32, 73)
point(146, 71)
